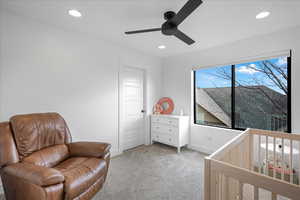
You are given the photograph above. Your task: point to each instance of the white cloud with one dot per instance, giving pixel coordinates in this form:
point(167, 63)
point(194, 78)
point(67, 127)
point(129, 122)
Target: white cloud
point(253, 65)
point(248, 70)
point(282, 61)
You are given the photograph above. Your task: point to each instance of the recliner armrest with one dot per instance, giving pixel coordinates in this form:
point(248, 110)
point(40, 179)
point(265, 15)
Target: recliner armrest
point(42, 176)
point(89, 149)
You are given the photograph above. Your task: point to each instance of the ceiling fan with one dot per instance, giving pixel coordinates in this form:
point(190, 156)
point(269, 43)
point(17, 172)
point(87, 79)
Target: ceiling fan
point(173, 20)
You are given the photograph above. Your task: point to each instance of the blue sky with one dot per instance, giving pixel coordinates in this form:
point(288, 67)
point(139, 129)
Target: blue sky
point(246, 73)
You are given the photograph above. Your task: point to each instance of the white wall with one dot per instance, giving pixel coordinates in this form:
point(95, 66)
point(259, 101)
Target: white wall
point(44, 69)
point(177, 79)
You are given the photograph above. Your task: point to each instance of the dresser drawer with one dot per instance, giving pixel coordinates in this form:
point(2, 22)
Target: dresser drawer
point(166, 139)
point(171, 140)
point(156, 119)
point(158, 137)
point(164, 129)
point(171, 121)
point(155, 136)
point(171, 130)
point(165, 120)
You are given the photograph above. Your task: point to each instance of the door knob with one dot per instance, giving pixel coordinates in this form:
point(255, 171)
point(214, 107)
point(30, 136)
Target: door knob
point(143, 111)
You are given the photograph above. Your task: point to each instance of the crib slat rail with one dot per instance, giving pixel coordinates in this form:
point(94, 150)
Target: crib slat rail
point(282, 156)
point(276, 134)
point(259, 153)
point(267, 156)
point(251, 159)
point(291, 160)
point(274, 156)
point(258, 180)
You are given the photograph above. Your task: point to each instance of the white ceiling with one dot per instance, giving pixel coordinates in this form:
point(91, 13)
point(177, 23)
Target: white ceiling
point(215, 22)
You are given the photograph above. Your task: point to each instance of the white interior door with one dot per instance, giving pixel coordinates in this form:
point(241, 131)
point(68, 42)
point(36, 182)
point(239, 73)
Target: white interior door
point(132, 105)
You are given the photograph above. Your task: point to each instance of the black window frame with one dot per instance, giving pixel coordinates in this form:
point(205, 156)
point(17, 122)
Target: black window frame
point(233, 68)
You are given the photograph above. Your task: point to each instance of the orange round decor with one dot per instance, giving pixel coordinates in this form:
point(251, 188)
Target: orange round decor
point(170, 103)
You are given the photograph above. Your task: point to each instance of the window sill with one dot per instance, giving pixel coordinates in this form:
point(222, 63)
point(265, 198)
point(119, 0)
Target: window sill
point(215, 127)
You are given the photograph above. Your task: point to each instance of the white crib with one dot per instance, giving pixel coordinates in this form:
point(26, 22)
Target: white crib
point(255, 165)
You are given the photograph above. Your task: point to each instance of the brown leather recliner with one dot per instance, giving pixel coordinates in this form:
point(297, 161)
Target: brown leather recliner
point(38, 161)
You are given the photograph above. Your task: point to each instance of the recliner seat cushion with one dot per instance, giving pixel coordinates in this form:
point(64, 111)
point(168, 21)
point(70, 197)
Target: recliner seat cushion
point(80, 174)
point(48, 157)
point(34, 132)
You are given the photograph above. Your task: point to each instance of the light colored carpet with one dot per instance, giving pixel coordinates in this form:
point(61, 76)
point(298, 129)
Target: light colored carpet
point(154, 172)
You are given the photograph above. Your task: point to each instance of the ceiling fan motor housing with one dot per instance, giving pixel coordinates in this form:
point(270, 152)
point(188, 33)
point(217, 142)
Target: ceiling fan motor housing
point(169, 28)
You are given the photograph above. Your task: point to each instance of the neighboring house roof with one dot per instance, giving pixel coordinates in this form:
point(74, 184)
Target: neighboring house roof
point(252, 102)
point(211, 106)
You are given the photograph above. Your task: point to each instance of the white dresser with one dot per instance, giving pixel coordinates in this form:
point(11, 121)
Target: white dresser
point(172, 130)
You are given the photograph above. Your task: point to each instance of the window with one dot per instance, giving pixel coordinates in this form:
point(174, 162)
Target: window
point(213, 96)
point(246, 95)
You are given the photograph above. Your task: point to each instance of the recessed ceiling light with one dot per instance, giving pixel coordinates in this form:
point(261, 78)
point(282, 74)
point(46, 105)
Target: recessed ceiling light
point(75, 13)
point(161, 46)
point(262, 15)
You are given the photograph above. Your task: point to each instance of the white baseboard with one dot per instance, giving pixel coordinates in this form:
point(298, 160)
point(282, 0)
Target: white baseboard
point(200, 149)
point(116, 153)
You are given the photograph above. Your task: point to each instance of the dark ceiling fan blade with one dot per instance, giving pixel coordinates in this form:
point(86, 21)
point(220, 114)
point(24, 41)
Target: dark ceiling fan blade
point(143, 31)
point(185, 11)
point(180, 35)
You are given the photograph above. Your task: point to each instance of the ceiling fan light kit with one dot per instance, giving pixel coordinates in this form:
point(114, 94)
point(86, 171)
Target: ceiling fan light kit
point(173, 20)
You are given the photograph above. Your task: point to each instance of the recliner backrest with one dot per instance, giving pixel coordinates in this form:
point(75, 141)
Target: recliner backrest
point(34, 132)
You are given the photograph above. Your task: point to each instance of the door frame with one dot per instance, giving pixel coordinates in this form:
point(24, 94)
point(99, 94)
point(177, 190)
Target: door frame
point(120, 100)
